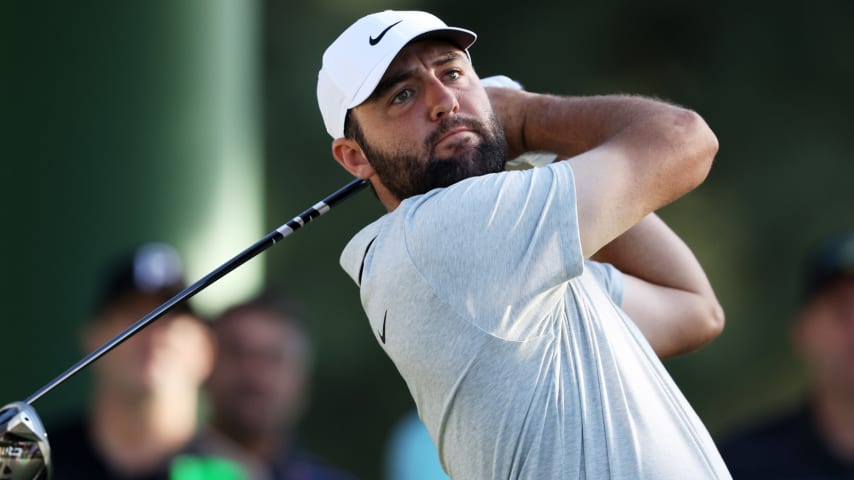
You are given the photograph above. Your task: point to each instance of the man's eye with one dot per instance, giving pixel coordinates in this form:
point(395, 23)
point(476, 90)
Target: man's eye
point(401, 97)
point(453, 75)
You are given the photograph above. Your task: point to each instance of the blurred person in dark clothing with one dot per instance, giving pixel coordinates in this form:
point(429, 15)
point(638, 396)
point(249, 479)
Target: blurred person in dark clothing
point(259, 391)
point(143, 411)
point(815, 441)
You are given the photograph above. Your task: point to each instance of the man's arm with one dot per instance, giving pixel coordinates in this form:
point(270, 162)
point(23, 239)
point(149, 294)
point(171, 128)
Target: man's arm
point(630, 155)
point(666, 293)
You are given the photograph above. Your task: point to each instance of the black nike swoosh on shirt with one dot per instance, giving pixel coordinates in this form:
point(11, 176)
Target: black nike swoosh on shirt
point(362, 267)
point(373, 41)
point(382, 332)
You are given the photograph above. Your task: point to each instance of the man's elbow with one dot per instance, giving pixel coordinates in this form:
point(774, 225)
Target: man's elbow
point(702, 326)
point(716, 320)
point(710, 323)
point(700, 146)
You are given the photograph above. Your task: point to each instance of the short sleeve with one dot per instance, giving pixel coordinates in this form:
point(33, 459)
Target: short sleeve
point(610, 278)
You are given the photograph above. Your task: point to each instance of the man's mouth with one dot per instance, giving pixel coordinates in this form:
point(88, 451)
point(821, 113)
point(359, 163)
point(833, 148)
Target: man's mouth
point(455, 136)
point(449, 141)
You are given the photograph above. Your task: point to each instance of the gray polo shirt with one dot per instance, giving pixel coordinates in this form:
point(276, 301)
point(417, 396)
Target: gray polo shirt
point(514, 348)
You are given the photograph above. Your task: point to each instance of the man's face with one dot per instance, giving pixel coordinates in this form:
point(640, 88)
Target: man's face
point(260, 378)
point(429, 122)
point(173, 352)
point(825, 336)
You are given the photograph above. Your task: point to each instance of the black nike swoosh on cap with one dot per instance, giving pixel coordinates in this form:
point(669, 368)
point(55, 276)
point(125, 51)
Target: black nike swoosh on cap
point(373, 41)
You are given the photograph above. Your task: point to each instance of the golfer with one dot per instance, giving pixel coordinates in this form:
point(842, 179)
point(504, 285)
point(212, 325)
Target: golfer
point(526, 310)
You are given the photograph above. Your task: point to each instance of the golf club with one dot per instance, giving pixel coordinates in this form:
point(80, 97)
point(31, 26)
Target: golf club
point(24, 449)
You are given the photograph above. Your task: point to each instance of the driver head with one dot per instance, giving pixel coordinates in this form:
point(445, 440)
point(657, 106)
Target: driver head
point(24, 450)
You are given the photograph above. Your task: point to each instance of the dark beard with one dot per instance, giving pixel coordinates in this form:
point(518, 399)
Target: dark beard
point(406, 175)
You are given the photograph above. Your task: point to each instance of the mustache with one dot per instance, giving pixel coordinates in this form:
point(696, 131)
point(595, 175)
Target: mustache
point(446, 125)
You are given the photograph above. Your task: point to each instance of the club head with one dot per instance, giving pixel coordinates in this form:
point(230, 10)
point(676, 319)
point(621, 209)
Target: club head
point(24, 450)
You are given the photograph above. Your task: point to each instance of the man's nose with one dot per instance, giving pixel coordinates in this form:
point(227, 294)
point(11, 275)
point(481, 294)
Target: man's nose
point(442, 101)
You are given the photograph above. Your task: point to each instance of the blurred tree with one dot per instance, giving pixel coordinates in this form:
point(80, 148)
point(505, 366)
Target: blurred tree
point(122, 123)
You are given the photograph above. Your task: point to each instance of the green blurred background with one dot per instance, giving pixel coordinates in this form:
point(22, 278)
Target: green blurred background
point(195, 122)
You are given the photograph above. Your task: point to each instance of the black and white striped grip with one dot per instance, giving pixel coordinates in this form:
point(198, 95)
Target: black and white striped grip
point(320, 208)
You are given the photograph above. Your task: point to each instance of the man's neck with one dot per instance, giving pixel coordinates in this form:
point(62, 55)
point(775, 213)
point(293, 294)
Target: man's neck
point(263, 446)
point(136, 435)
point(834, 414)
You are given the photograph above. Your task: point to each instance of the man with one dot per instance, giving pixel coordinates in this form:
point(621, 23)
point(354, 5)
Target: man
point(525, 358)
point(259, 391)
point(143, 412)
point(816, 441)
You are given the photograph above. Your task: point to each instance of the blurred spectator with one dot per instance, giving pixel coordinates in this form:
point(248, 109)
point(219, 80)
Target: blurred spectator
point(410, 453)
point(816, 441)
point(143, 410)
point(259, 390)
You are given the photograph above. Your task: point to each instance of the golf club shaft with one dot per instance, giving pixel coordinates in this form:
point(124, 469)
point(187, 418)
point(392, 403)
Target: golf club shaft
point(261, 245)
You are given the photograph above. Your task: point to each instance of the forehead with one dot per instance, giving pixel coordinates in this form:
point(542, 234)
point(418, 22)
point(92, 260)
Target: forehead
point(429, 45)
point(255, 323)
point(837, 293)
point(425, 51)
point(841, 288)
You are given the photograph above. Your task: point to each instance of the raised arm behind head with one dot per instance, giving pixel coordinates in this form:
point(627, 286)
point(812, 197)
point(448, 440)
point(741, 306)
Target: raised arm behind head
point(630, 155)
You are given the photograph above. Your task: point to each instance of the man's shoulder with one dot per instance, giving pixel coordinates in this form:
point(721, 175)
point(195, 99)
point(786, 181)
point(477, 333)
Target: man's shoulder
point(353, 256)
point(775, 430)
point(70, 425)
point(786, 445)
point(70, 433)
point(72, 453)
point(771, 432)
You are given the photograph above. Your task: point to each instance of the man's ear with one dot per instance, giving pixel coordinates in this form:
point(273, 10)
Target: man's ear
point(350, 155)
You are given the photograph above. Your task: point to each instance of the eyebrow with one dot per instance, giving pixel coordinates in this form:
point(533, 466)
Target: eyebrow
point(389, 81)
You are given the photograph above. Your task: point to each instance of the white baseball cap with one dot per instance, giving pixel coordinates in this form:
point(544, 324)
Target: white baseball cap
point(356, 61)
